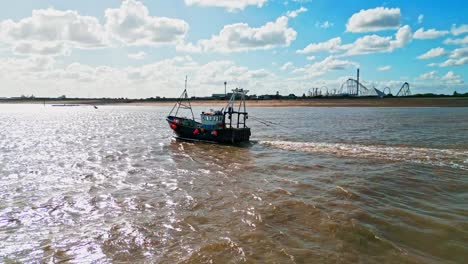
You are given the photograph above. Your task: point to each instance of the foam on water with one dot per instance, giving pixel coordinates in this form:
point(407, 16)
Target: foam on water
point(437, 157)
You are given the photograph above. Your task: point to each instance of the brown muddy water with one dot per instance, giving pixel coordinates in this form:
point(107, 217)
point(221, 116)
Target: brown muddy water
point(327, 185)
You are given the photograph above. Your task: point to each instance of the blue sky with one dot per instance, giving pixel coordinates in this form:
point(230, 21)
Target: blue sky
point(135, 49)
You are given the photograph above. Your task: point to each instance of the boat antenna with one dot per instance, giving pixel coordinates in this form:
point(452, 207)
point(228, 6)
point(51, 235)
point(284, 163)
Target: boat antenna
point(225, 94)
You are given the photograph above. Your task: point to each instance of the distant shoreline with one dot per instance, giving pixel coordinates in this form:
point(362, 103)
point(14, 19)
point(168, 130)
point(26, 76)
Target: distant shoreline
point(312, 102)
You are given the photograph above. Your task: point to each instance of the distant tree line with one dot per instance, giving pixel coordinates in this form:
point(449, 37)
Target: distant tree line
point(455, 94)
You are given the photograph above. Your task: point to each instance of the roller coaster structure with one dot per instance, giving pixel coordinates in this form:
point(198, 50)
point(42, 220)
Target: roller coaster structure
point(352, 87)
point(387, 90)
point(404, 90)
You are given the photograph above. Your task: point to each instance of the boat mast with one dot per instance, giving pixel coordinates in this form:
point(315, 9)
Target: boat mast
point(231, 104)
point(180, 102)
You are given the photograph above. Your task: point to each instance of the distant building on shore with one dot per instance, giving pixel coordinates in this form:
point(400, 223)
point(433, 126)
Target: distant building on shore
point(221, 96)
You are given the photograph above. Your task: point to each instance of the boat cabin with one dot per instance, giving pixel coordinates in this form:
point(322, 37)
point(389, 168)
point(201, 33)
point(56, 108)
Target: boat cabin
point(212, 120)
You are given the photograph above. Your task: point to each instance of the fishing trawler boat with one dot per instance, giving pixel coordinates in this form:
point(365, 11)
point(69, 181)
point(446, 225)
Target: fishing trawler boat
point(227, 126)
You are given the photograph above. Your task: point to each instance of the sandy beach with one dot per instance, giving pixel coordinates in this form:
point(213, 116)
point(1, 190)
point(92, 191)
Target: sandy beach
point(339, 102)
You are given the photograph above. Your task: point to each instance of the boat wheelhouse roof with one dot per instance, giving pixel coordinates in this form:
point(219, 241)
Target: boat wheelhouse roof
point(212, 113)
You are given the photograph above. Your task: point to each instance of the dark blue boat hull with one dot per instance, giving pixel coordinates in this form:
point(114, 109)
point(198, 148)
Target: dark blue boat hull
point(223, 135)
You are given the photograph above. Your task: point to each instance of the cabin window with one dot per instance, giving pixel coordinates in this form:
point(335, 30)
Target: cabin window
point(214, 118)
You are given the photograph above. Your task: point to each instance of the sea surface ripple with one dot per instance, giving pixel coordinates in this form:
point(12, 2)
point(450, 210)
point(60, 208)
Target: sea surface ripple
point(320, 185)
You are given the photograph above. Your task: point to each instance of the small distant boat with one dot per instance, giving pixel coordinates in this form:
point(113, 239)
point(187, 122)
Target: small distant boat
point(227, 126)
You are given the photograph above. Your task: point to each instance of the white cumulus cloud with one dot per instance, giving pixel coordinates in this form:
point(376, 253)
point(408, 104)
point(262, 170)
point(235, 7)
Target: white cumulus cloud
point(459, 41)
point(452, 78)
point(363, 45)
point(429, 34)
point(40, 48)
point(459, 53)
point(231, 5)
point(137, 56)
point(51, 31)
point(132, 24)
point(288, 65)
point(161, 78)
point(453, 62)
point(26, 66)
point(54, 32)
point(384, 68)
point(331, 45)
point(462, 29)
point(369, 44)
point(322, 67)
point(325, 24)
point(402, 37)
point(432, 53)
point(295, 13)
point(458, 57)
point(432, 75)
point(376, 44)
point(376, 19)
point(241, 37)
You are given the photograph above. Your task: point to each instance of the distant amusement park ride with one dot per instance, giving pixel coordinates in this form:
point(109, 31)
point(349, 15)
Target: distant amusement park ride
point(353, 88)
point(404, 90)
point(227, 126)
